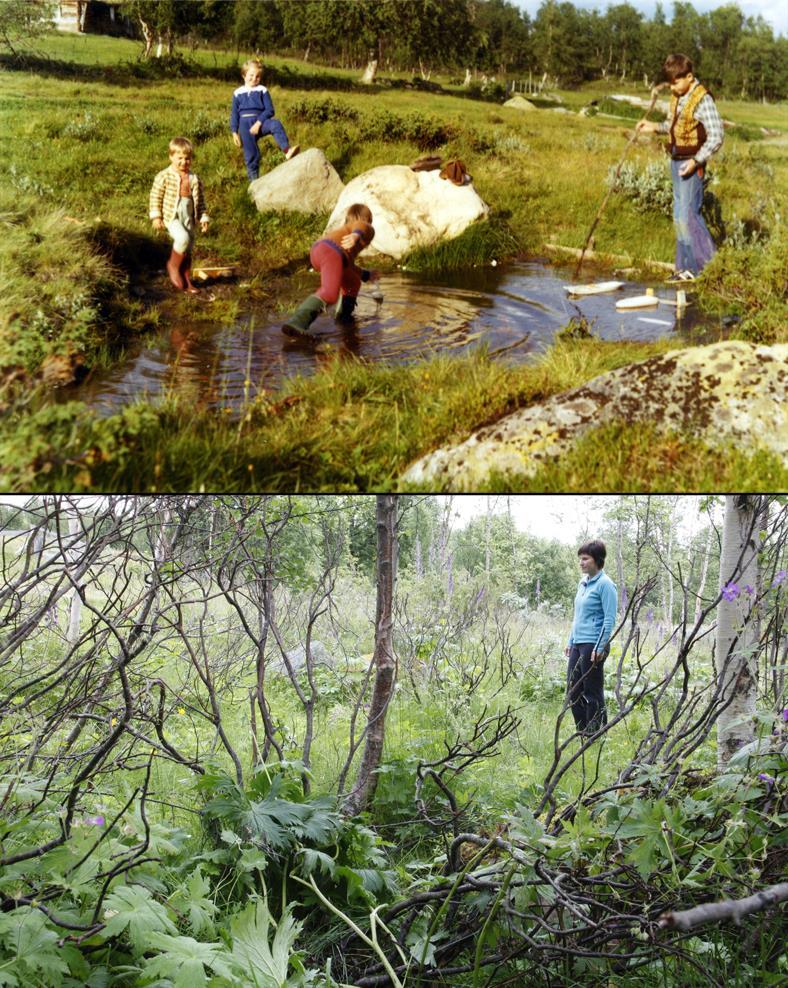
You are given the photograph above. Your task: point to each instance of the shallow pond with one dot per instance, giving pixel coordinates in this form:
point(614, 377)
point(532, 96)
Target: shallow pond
point(515, 310)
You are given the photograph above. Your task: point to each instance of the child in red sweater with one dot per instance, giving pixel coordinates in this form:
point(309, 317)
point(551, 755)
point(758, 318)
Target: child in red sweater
point(334, 256)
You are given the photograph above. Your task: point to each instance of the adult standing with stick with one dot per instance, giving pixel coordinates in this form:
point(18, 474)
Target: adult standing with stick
point(696, 133)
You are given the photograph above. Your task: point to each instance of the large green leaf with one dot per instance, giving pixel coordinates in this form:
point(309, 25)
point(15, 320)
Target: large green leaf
point(184, 960)
point(25, 933)
point(193, 898)
point(266, 964)
point(131, 908)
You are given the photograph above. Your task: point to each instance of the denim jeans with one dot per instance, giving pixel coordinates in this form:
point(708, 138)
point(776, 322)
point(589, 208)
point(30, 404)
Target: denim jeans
point(694, 246)
point(585, 688)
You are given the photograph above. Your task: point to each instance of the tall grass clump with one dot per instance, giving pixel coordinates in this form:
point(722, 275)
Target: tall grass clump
point(53, 285)
point(753, 282)
point(480, 244)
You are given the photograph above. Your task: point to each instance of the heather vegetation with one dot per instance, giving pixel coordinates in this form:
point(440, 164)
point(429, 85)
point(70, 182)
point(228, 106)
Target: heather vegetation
point(290, 741)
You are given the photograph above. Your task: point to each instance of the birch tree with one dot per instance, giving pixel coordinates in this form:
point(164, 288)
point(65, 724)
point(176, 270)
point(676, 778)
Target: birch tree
point(384, 661)
point(734, 657)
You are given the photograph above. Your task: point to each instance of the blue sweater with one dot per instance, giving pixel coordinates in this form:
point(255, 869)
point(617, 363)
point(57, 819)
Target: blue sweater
point(246, 100)
point(596, 604)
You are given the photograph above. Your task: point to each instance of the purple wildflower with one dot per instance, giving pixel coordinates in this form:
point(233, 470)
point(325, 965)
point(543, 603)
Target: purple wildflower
point(94, 821)
point(768, 779)
point(730, 591)
point(785, 714)
point(749, 590)
point(779, 578)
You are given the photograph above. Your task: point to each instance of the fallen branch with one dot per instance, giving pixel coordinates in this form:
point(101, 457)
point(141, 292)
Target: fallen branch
point(604, 256)
point(719, 912)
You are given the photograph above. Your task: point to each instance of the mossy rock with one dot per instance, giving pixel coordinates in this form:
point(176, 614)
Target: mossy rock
point(728, 394)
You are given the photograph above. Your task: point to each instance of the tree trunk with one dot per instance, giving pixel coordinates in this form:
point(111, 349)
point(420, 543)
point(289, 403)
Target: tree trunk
point(370, 72)
point(75, 610)
point(703, 572)
point(620, 556)
point(487, 536)
point(734, 656)
point(385, 663)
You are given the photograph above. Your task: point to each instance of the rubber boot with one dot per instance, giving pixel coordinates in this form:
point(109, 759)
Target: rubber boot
point(299, 322)
point(186, 274)
point(345, 308)
point(174, 269)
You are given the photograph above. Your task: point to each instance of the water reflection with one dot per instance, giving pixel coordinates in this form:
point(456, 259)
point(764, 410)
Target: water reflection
point(513, 310)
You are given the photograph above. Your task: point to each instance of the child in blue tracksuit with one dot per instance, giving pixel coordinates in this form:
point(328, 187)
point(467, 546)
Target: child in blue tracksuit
point(252, 117)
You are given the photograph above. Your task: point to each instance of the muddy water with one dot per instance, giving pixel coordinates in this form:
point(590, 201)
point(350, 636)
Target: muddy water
point(514, 310)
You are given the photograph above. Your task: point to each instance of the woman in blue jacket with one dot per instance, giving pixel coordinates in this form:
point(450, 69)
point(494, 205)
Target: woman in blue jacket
point(596, 605)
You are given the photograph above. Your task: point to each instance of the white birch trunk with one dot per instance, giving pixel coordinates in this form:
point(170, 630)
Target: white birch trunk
point(703, 573)
point(75, 610)
point(734, 658)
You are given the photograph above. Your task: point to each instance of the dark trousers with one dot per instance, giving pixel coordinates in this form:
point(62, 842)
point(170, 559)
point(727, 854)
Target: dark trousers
point(585, 688)
point(249, 141)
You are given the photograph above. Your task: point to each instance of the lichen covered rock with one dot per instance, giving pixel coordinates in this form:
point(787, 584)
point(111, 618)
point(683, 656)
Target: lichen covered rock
point(729, 394)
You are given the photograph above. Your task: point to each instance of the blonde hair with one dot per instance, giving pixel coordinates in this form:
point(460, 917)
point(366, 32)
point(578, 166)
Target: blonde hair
point(181, 144)
point(358, 211)
point(249, 62)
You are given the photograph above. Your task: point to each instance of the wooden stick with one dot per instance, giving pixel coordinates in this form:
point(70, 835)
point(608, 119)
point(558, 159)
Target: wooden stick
point(627, 259)
point(720, 912)
point(612, 186)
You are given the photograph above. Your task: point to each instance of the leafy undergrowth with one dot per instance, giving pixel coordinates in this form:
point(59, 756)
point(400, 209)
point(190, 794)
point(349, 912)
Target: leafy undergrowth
point(276, 888)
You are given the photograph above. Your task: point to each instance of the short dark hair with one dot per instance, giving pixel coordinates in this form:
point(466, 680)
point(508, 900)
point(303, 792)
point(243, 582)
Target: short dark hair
point(596, 549)
point(676, 66)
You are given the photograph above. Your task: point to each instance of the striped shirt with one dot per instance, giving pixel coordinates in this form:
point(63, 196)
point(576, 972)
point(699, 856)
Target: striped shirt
point(708, 114)
point(164, 195)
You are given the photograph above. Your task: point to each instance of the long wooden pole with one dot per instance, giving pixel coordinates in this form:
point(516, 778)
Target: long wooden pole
point(654, 93)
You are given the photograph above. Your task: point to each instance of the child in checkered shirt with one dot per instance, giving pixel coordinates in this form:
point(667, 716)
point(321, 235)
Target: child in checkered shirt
point(177, 202)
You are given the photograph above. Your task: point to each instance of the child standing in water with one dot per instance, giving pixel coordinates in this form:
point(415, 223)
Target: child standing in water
point(177, 202)
point(252, 117)
point(334, 256)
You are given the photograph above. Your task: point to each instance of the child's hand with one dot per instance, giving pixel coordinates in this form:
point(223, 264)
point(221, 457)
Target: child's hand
point(646, 127)
point(204, 226)
point(349, 241)
point(255, 128)
point(236, 140)
point(158, 223)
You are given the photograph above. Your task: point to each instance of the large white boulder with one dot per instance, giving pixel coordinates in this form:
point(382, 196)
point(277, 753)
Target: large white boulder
point(410, 209)
point(728, 394)
point(308, 183)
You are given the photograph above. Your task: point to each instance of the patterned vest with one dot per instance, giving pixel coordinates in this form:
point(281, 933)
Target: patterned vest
point(687, 135)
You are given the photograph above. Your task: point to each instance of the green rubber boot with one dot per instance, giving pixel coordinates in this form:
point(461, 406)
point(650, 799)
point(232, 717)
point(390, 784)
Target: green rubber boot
point(299, 322)
point(345, 308)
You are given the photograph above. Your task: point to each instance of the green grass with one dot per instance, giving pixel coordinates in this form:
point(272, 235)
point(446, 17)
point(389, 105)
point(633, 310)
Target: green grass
point(355, 428)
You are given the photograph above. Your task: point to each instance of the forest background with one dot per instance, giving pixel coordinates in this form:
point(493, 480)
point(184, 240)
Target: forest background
point(288, 741)
point(736, 56)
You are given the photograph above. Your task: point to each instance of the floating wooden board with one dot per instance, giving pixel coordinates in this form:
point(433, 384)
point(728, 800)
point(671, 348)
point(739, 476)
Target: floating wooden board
point(204, 273)
point(637, 302)
point(596, 288)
